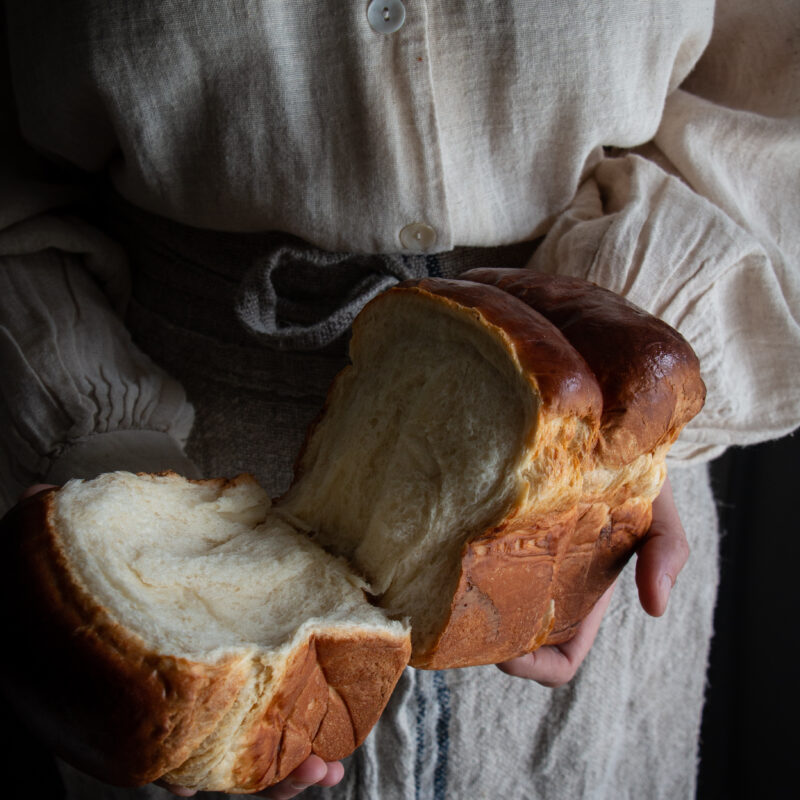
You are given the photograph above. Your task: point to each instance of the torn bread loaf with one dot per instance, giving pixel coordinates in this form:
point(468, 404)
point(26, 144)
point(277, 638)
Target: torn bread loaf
point(480, 471)
point(485, 479)
point(650, 380)
point(448, 466)
point(179, 630)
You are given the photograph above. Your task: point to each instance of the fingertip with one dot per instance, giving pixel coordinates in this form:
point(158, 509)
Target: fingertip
point(178, 791)
point(654, 591)
point(649, 574)
point(334, 776)
point(311, 771)
point(520, 667)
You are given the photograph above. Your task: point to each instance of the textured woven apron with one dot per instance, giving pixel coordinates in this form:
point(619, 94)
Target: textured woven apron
point(255, 327)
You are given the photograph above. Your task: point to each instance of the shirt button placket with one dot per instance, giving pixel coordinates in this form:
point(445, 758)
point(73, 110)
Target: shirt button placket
point(388, 16)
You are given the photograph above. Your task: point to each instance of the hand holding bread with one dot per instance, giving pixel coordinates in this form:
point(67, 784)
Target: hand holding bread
point(471, 472)
point(661, 555)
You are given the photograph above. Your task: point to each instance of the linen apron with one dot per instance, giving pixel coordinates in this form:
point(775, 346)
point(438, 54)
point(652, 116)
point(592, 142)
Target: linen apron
point(255, 328)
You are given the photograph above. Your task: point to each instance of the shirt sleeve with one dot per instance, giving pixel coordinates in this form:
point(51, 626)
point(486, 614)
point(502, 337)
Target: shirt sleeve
point(76, 396)
point(700, 227)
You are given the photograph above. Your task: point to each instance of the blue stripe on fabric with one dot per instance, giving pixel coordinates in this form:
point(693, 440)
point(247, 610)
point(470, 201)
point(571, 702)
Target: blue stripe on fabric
point(442, 737)
point(419, 760)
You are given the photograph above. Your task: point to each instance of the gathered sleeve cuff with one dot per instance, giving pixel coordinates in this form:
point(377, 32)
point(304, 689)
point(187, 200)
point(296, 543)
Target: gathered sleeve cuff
point(642, 232)
point(700, 226)
point(77, 397)
point(74, 387)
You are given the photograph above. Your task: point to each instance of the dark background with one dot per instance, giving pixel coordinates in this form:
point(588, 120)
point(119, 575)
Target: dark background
point(750, 740)
point(749, 737)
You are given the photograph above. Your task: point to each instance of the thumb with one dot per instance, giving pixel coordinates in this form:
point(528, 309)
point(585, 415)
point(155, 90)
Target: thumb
point(662, 555)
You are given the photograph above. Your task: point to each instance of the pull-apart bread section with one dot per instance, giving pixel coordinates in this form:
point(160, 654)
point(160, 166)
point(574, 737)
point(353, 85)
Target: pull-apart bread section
point(448, 466)
point(483, 468)
point(651, 384)
point(165, 628)
point(486, 480)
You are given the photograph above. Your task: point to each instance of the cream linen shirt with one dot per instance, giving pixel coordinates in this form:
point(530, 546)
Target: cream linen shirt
point(670, 178)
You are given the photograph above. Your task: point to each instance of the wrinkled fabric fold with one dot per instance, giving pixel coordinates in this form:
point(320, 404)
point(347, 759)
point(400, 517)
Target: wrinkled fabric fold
point(70, 371)
point(643, 233)
point(303, 298)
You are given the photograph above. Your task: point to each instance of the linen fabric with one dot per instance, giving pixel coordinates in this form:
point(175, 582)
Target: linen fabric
point(651, 147)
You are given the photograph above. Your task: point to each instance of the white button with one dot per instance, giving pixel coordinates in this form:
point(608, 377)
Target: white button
point(386, 16)
point(418, 237)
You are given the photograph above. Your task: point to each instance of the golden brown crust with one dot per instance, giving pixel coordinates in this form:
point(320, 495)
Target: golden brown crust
point(651, 385)
point(604, 540)
point(649, 375)
point(502, 607)
point(358, 671)
point(333, 691)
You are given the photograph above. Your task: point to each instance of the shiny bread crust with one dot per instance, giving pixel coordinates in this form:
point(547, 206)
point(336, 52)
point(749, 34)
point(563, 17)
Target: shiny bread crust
point(648, 373)
point(633, 383)
point(95, 694)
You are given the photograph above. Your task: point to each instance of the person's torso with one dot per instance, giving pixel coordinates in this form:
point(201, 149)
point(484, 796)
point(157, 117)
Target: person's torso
point(477, 119)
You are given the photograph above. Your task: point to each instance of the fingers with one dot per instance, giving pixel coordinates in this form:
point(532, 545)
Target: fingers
point(179, 791)
point(662, 555)
point(555, 665)
point(312, 772)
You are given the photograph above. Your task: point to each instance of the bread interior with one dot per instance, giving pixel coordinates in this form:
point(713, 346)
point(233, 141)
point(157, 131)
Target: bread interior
point(198, 570)
point(422, 444)
point(205, 571)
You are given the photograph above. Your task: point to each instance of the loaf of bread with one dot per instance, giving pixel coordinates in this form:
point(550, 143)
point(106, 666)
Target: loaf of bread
point(480, 473)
